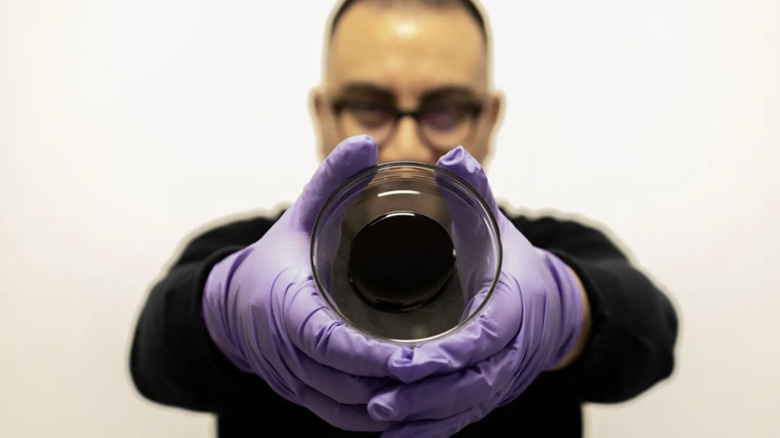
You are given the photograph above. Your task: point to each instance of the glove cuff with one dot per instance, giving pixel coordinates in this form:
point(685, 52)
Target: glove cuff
point(217, 302)
point(571, 306)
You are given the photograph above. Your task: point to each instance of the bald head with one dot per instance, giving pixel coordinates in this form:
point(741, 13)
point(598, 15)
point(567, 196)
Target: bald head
point(468, 5)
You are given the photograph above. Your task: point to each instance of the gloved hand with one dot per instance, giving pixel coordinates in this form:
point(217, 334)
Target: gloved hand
point(530, 323)
point(263, 311)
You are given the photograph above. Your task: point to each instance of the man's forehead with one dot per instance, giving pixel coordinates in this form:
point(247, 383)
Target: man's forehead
point(471, 6)
point(401, 47)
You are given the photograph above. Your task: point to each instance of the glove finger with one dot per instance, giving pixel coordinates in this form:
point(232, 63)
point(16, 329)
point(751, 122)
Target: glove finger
point(287, 370)
point(431, 398)
point(316, 332)
point(347, 417)
point(461, 163)
point(476, 260)
point(451, 425)
point(516, 248)
point(339, 386)
point(487, 334)
point(348, 158)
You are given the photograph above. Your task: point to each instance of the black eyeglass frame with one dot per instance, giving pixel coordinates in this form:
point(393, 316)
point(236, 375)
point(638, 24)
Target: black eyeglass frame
point(337, 105)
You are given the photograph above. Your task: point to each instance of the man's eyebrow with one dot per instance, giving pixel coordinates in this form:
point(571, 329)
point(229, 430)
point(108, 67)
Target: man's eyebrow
point(450, 92)
point(366, 89)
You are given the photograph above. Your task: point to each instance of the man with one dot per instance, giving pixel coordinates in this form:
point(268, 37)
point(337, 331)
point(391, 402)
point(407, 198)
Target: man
point(237, 328)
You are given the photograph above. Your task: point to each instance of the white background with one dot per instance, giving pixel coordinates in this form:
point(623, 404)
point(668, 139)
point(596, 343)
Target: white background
point(125, 126)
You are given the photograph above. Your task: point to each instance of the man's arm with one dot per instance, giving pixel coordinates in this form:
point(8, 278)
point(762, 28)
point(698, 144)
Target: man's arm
point(173, 360)
point(633, 325)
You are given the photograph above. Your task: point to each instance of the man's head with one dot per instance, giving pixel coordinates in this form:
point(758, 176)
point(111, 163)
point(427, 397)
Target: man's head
point(414, 74)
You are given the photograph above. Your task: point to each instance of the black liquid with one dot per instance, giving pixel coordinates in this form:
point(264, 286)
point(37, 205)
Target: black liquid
point(400, 261)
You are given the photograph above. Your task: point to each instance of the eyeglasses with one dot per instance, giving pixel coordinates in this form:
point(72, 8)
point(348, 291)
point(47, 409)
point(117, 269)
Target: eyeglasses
point(441, 124)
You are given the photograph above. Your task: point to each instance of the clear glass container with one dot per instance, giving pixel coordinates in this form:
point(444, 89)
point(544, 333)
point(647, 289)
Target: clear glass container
point(406, 252)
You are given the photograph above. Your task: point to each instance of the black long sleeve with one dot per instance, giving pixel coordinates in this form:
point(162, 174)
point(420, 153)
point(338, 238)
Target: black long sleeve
point(173, 360)
point(634, 325)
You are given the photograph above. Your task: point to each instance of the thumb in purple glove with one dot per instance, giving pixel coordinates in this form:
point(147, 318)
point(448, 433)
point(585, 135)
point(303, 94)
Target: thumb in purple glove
point(532, 320)
point(262, 309)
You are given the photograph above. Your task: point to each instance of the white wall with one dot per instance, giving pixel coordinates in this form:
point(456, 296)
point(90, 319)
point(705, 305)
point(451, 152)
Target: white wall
point(126, 125)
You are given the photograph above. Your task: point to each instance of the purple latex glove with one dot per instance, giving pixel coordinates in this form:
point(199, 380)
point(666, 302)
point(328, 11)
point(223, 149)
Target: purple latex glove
point(263, 311)
point(530, 323)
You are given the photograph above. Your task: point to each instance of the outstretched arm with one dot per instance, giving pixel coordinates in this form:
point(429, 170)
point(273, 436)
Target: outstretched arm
point(633, 332)
point(173, 360)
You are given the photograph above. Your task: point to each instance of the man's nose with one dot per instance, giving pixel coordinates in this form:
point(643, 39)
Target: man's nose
point(406, 144)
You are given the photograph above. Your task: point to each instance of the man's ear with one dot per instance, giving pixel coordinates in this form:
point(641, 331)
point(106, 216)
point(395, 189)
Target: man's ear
point(318, 114)
point(495, 111)
point(316, 104)
point(494, 115)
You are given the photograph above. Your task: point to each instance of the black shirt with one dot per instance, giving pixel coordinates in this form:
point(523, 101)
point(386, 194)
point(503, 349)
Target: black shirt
point(634, 327)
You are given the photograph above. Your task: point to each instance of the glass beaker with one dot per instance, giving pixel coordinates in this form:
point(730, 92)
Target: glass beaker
point(406, 252)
